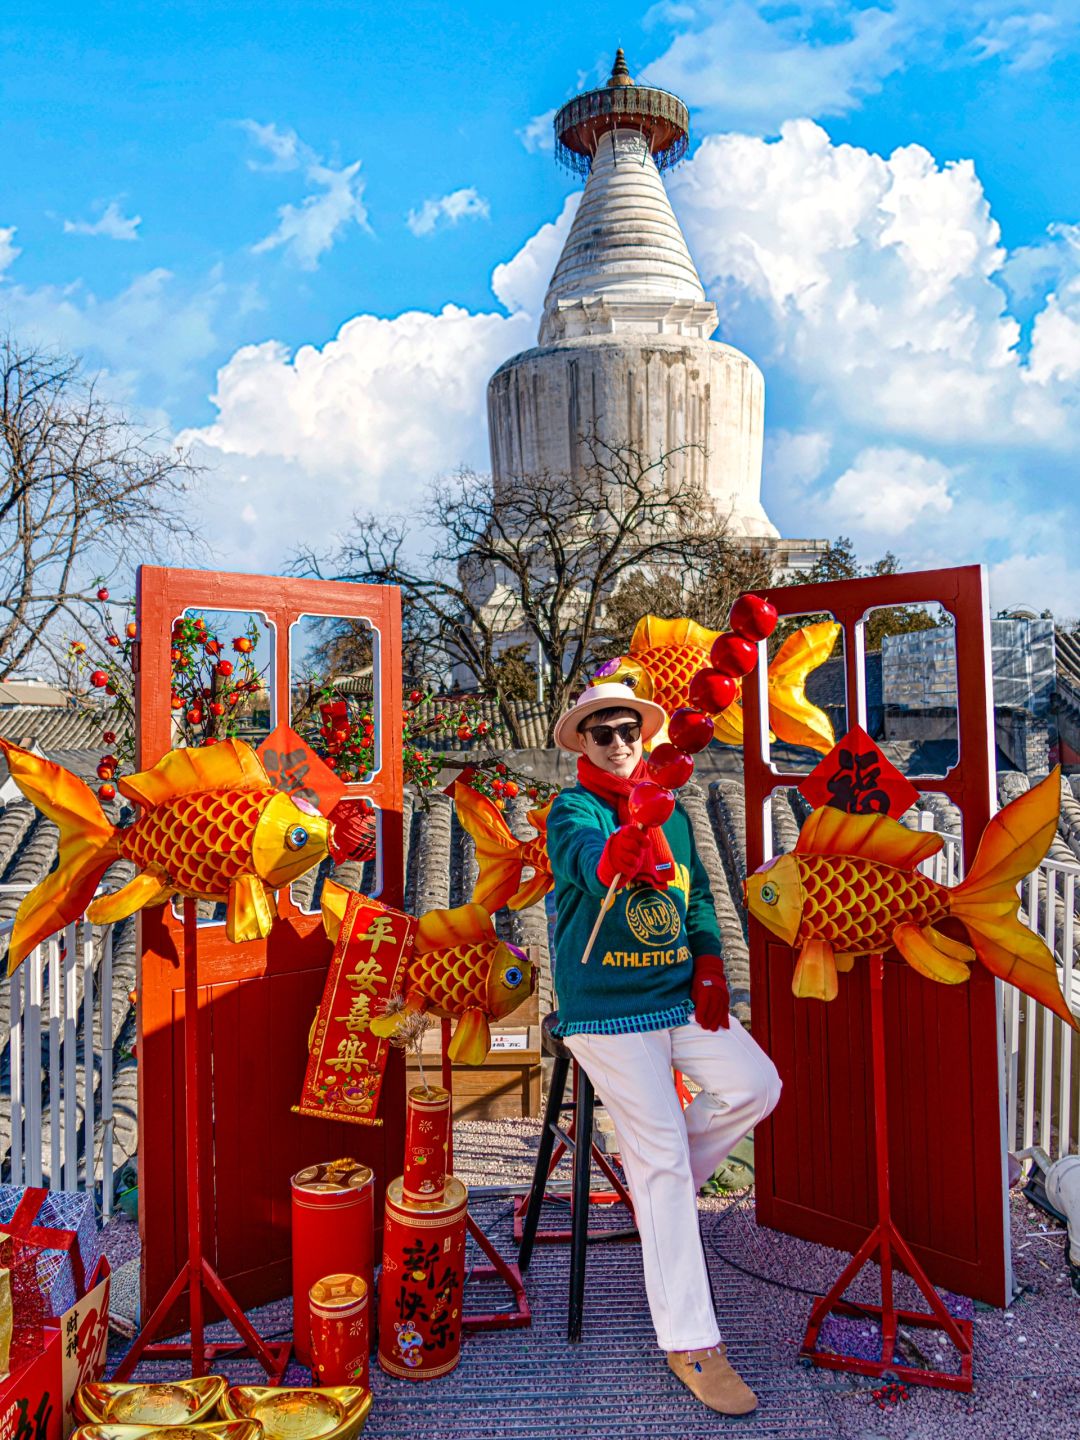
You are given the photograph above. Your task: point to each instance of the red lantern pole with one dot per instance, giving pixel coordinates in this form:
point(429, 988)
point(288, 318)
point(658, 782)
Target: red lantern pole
point(887, 1240)
point(197, 1274)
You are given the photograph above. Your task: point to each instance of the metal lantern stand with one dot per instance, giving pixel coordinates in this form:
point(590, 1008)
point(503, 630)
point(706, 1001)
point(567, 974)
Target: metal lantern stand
point(197, 1274)
point(499, 1269)
point(886, 1241)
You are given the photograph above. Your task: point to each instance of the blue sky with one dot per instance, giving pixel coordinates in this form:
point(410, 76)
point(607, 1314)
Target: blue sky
point(254, 217)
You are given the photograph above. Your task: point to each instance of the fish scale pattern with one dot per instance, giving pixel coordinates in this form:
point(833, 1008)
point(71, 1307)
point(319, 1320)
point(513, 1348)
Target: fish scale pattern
point(534, 854)
point(671, 668)
point(201, 841)
point(856, 904)
point(455, 979)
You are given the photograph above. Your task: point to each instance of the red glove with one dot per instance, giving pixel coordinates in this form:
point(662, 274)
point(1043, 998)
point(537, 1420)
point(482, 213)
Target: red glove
point(709, 993)
point(624, 854)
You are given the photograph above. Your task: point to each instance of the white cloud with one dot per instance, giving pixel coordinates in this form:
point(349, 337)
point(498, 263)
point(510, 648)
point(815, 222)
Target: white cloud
point(112, 223)
point(1028, 40)
point(793, 461)
point(521, 283)
point(886, 490)
point(367, 420)
point(755, 64)
point(537, 135)
point(9, 251)
point(464, 204)
point(158, 328)
point(284, 147)
point(1043, 579)
point(920, 411)
point(305, 231)
point(739, 65)
point(878, 284)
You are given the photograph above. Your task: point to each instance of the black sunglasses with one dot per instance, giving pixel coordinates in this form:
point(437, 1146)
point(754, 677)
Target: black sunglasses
point(605, 734)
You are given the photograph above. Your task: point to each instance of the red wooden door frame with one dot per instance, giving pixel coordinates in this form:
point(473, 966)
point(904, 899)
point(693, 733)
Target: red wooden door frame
point(256, 1000)
point(814, 1157)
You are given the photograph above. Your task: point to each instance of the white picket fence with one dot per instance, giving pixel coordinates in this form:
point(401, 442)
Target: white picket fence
point(1042, 1084)
point(48, 1033)
point(47, 1036)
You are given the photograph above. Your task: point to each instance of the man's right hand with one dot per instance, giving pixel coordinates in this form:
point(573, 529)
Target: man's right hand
point(624, 854)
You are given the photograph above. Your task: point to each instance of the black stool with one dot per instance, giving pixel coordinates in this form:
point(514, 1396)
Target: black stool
point(579, 1142)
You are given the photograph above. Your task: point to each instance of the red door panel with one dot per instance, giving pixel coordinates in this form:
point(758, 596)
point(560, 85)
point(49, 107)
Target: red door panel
point(814, 1162)
point(257, 1001)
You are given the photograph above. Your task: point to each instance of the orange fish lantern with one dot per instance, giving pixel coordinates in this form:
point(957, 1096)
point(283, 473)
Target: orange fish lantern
point(459, 970)
point(501, 857)
point(212, 827)
point(666, 655)
point(851, 888)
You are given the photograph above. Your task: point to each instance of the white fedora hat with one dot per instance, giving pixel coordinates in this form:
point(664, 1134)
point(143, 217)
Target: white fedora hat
point(606, 697)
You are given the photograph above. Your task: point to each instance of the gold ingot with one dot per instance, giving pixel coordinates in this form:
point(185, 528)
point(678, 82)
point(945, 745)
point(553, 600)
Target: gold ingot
point(211, 1430)
point(333, 1412)
point(175, 1402)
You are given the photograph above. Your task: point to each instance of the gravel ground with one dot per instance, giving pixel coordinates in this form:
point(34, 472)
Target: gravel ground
point(529, 1384)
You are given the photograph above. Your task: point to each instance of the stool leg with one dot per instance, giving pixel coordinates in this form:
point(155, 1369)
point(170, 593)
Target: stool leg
point(579, 1224)
point(556, 1090)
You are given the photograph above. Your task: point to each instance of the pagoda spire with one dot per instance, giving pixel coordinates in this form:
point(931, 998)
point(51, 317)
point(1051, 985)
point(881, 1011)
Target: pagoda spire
point(660, 118)
point(625, 265)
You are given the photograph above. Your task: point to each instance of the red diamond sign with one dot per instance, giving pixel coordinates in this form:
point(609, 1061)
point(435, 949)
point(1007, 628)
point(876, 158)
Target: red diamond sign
point(859, 778)
point(294, 767)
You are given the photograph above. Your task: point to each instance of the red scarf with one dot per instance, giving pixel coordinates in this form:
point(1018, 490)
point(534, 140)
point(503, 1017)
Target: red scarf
point(615, 789)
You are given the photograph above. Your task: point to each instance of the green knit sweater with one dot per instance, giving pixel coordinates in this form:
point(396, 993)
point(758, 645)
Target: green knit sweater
point(639, 972)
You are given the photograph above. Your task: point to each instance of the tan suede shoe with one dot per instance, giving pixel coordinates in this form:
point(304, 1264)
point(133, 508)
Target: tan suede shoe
point(708, 1374)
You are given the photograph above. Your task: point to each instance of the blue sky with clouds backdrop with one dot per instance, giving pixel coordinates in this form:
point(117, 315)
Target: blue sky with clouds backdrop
point(302, 236)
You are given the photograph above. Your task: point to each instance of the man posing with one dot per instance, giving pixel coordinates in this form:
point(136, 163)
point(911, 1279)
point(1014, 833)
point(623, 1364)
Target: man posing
point(652, 997)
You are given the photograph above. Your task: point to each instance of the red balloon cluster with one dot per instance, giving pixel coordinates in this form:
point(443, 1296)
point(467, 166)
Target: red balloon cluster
point(712, 690)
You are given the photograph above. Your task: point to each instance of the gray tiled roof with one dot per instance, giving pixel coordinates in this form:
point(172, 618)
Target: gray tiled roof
point(52, 729)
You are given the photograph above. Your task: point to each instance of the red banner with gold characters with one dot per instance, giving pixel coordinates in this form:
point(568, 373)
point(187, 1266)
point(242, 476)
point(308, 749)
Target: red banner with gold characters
point(345, 1067)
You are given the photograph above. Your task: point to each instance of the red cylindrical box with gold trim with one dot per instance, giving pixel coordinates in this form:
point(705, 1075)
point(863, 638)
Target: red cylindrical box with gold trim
point(340, 1331)
point(333, 1233)
point(427, 1134)
point(421, 1286)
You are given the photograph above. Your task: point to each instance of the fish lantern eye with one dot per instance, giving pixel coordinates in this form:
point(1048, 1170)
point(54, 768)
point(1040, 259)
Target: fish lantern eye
point(296, 838)
point(770, 894)
point(513, 977)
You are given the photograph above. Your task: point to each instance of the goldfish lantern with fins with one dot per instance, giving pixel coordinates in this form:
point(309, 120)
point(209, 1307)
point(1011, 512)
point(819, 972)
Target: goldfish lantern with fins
point(212, 828)
point(501, 857)
point(666, 655)
point(458, 970)
point(850, 888)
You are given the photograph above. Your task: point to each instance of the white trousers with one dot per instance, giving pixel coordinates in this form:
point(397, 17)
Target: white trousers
point(669, 1153)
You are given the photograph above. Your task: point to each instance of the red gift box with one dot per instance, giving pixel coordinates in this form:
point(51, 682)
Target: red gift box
point(54, 1245)
point(31, 1398)
point(27, 1302)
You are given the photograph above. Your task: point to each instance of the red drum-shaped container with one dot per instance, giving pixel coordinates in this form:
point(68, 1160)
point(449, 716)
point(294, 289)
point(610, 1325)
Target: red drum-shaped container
point(333, 1233)
point(340, 1331)
point(427, 1133)
point(422, 1278)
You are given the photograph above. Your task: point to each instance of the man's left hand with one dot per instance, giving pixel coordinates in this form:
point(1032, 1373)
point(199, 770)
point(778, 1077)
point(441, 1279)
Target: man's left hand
point(709, 993)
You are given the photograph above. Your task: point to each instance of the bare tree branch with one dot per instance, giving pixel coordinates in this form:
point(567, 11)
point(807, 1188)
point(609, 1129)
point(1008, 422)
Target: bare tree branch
point(537, 561)
point(81, 490)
